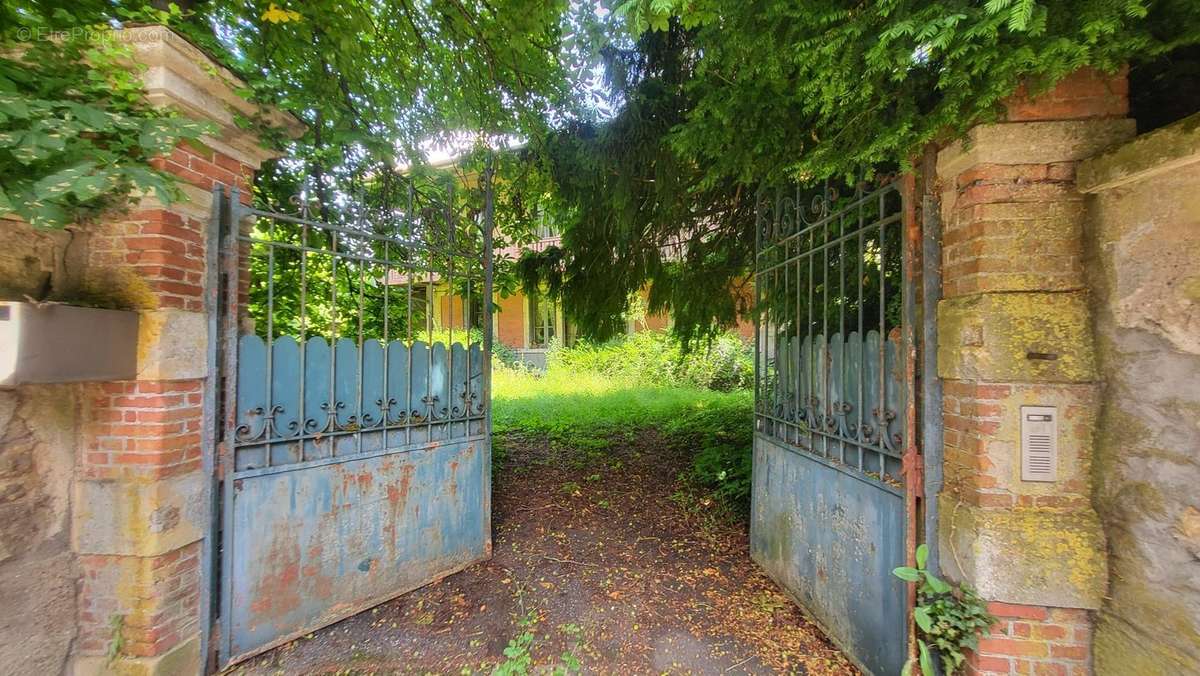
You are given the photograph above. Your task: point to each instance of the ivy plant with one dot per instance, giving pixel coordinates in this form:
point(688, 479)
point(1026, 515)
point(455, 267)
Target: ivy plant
point(77, 135)
point(949, 618)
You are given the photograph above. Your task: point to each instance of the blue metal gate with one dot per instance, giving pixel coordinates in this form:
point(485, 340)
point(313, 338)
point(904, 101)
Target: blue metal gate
point(355, 457)
point(833, 502)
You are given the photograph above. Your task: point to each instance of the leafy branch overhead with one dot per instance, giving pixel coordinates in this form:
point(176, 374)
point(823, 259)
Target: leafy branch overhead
point(720, 96)
point(374, 82)
point(76, 136)
point(816, 90)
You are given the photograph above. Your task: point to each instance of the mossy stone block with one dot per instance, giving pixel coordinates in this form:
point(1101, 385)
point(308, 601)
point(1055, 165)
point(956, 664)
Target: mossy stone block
point(1032, 337)
point(1031, 556)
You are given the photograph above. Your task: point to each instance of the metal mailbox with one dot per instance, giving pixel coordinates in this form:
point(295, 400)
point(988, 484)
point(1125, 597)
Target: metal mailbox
point(55, 343)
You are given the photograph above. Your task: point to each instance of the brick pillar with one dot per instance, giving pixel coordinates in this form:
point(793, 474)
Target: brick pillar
point(1014, 329)
point(142, 510)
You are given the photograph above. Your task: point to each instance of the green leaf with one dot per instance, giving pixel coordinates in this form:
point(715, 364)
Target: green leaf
point(936, 584)
point(921, 617)
point(157, 137)
point(43, 214)
point(6, 205)
point(96, 119)
point(147, 180)
point(62, 182)
point(926, 660)
point(34, 146)
point(1019, 16)
point(14, 107)
point(89, 187)
point(907, 574)
point(922, 555)
point(996, 6)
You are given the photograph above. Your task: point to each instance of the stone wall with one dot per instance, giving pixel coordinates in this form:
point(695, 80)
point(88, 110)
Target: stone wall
point(38, 570)
point(38, 433)
point(1142, 237)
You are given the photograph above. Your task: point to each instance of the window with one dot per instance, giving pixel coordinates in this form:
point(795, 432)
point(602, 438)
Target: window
point(541, 321)
point(546, 228)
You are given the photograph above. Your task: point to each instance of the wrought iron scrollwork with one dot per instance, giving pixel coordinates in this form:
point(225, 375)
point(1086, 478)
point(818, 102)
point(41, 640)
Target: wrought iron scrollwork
point(244, 432)
point(828, 272)
point(261, 426)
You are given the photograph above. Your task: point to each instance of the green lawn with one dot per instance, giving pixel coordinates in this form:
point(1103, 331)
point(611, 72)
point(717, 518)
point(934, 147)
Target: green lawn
point(587, 411)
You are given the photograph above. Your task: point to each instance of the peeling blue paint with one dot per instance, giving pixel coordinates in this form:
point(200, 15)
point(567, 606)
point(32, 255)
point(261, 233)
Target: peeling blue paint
point(317, 542)
point(831, 538)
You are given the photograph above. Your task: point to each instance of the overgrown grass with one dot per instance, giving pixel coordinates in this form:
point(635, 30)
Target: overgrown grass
point(654, 358)
point(562, 401)
point(587, 410)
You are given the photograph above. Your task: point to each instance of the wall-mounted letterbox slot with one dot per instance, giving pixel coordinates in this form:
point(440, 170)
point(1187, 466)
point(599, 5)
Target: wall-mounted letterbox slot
point(54, 343)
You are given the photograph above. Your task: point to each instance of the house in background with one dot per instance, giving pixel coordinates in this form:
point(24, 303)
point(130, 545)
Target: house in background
point(527, 324)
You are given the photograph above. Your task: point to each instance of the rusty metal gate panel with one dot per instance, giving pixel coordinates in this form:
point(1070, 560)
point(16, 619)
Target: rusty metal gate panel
point(832, 498)
point(355, 454)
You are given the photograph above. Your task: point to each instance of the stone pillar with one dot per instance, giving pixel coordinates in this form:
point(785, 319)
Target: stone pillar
point(1014, 329)
point(141, 497)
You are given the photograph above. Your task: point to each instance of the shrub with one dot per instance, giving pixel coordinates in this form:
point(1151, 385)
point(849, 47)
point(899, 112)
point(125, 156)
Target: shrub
point(720, 432)
point(654, 358)
point(505, 354)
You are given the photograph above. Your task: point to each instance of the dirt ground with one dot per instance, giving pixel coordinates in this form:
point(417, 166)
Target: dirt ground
point(606, 565)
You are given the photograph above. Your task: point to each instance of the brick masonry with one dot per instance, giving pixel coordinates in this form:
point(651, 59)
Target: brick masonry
point(1014, 290)
point(142, 517)
point(156, 599)
point(1085, 94)
point(1035, 640)
point(149, 430)
point(143, 428)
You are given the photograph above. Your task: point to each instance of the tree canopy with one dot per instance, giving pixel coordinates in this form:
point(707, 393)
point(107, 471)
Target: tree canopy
point(722, 96)
point(642, 127)
point(376, 83)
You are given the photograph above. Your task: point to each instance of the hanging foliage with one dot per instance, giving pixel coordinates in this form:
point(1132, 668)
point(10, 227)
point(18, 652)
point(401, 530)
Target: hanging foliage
point(376, 83)
point(720, 97)
point(819, 89)
point(636, 214)
point(76, 135)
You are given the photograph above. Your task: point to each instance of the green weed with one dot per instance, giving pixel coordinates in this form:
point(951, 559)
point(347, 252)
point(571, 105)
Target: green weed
point(654, 358)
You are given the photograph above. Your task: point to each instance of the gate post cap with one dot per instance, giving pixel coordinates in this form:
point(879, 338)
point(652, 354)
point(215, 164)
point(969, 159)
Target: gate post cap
point(181, 76)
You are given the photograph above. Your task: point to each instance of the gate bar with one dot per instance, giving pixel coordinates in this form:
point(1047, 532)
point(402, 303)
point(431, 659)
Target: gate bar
point(489, 215)
point(208, 432)
point(911, 462)
point(231, 279)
